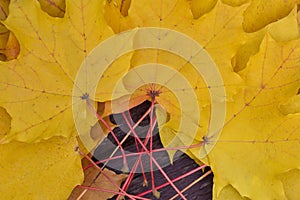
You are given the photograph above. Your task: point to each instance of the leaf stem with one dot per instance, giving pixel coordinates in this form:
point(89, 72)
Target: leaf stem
point(125, 165)
point(192, 184)
point(173, 180)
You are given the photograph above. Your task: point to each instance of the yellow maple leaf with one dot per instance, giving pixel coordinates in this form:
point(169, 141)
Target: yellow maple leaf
point(38, 157)
point(39, 170)
point(262, 12)
point(37, 86)
point(256, 129)
point(225, 27)
point(221, 40)
point(48, 169)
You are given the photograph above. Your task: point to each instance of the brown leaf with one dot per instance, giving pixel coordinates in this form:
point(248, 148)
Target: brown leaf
point(99, 189)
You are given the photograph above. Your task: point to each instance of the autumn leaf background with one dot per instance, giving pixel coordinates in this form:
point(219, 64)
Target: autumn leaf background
point(255, 45)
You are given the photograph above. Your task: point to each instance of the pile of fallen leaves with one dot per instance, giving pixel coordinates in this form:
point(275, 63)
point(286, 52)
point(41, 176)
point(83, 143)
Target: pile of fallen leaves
point(255, 45)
